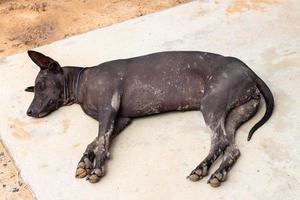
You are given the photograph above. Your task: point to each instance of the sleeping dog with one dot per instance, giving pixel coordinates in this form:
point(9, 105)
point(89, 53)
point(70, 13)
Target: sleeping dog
point(224, 89)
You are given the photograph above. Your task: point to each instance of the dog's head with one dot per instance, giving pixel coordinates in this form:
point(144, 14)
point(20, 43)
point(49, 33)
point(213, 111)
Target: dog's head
point(48, 88)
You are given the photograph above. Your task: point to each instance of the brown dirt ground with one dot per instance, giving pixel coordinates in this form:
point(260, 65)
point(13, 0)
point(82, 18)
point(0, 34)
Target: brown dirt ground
point(27, 24)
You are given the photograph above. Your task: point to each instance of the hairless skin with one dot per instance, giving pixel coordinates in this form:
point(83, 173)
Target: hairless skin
point(224, 89)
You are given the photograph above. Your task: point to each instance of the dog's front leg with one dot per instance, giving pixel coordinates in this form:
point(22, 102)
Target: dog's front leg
point(107, 117)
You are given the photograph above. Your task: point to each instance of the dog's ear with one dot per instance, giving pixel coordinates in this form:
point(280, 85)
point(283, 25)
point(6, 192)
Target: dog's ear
point(29, 89)
point(55, 68)
point(44, 62)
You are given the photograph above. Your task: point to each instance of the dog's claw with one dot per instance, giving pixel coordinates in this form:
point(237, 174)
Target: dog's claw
point(216, 179)
point(93, 178)
point(214, 182)
point(198, 174)
point(96, 175)
point(81, 165)
point(81, 173)
point(194, 177)
point(83, 169)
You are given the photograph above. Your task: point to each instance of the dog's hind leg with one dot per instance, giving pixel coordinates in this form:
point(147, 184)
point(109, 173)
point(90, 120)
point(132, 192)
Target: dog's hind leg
point(222, 94)
point(214, 113)
point(234, 120)
point(218, 145)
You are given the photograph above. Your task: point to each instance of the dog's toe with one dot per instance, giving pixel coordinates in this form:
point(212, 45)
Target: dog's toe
point(194, 177)
point(93, 178)
point(214, 182)
point(216, 179)
point(198, 173)
point(96, 175)
point(83, 168)
point(80, 173)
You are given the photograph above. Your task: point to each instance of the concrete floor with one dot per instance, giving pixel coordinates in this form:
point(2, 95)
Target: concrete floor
point(152, 157)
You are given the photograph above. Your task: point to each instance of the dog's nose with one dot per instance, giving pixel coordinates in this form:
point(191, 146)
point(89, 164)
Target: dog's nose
point(29, 112)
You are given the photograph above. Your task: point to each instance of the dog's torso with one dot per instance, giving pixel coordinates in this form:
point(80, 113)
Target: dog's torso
point(156, 83)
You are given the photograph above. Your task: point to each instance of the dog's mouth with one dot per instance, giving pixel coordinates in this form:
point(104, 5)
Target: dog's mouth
point(40, 115)
point(51, 106)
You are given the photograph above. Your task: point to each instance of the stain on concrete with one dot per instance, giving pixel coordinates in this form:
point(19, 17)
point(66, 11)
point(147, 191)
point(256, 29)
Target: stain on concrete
point(76, 145)
point(269, 55)
point(287, 183)
point(18, 129)
point(199, 13)
point(43, 166)
point(66, 125)
point(244, 5)
point(2, 60)
point(285, 62)
point(274, 150)
point(169, 45)
point(282, 58)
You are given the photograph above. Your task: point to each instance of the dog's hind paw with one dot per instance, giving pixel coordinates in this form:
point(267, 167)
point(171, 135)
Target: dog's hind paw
point(216, 178)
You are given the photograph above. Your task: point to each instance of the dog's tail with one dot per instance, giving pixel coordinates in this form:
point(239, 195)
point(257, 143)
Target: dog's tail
point(268, 96)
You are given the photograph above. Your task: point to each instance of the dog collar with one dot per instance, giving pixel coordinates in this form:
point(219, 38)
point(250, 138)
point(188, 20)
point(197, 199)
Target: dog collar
point(78, 81)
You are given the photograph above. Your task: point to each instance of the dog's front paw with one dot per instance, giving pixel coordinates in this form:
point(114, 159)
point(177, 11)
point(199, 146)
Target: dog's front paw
point(96, 175)
point(91, 164)
point(84, 167)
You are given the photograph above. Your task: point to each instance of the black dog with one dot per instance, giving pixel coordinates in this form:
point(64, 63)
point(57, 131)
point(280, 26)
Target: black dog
point(224, 89)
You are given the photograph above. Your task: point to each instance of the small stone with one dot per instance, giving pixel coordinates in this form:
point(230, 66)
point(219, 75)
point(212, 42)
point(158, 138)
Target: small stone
point(15, 190)
point(20, 183)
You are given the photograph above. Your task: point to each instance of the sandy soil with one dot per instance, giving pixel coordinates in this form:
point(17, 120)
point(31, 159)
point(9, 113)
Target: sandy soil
point(28, 24)
point(12, 186)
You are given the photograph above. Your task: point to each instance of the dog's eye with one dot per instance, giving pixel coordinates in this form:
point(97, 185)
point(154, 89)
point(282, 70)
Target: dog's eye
point(50, 102)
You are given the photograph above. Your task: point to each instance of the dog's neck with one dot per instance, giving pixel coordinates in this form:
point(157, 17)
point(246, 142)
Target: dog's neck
point(72, 77)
